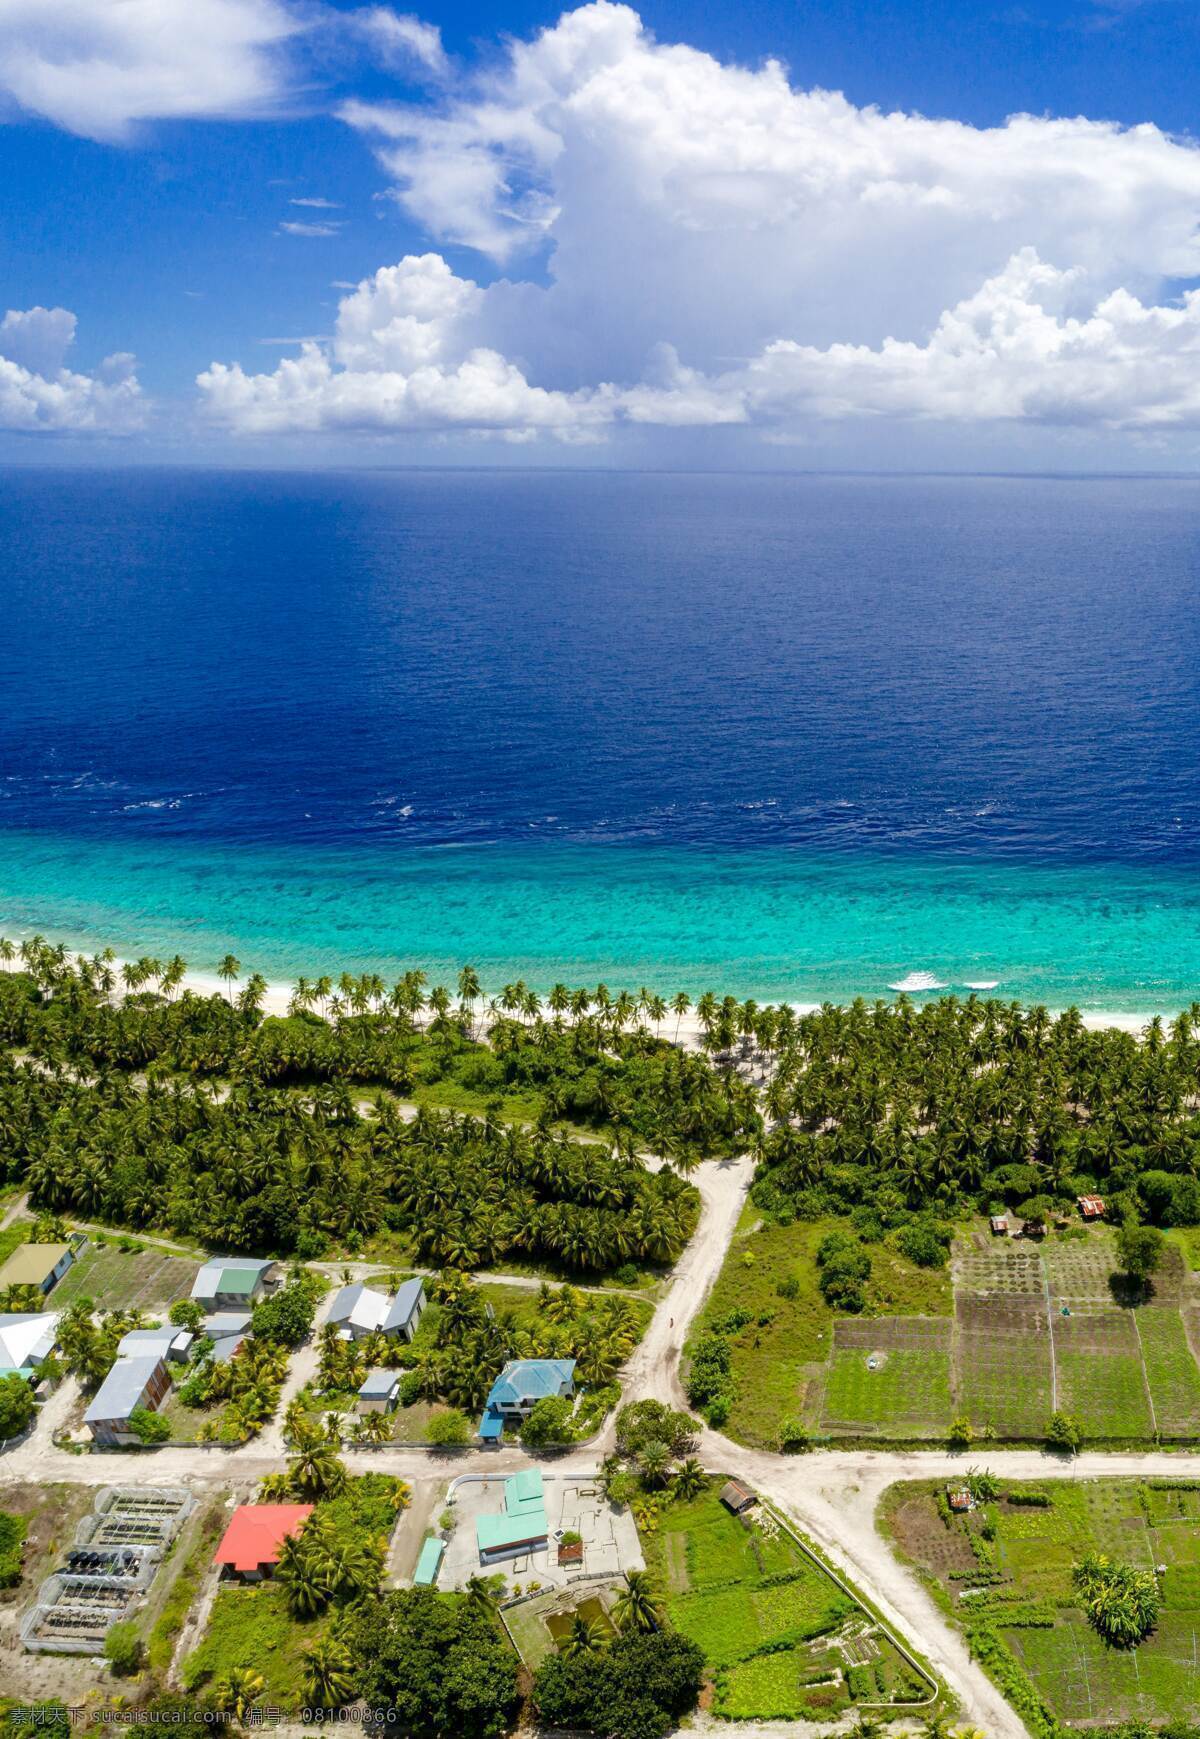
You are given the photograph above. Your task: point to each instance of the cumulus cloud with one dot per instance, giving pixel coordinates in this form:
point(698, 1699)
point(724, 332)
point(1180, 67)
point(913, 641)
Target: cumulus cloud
point(671, 198)
point(402, 357)
point(98, 67)
point(39, 395)
point(697, 244)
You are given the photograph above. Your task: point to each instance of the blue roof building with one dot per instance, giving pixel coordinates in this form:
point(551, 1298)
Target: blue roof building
point(521, 1526)
point(519, 1387)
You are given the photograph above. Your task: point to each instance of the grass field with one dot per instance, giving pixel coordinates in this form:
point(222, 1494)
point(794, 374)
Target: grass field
point(252, 1627)
point(775, 1628)
point(534, 1625)
point(1030, 1605)
point(1010, 1331)
point(148, 1279)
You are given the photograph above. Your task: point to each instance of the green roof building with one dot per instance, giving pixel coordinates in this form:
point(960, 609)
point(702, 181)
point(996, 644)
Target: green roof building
point(521, 1526)
point(429, 1563)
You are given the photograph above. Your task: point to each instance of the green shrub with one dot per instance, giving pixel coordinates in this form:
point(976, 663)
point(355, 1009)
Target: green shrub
point(123, 1648)
point(12, 1538)
point(149, 1427)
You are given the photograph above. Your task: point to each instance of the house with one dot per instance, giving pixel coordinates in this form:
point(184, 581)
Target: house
point(379, 1392)
point(27, 1340)
point(141, 1381)
point(407, 1309)
point(429, 1563)
point(226, 1329)
point(358, 1310)
point(166, 1342)
point(231, 1282)
point(999, 1225)
point(251, 1544)
point(738, 1498)
point(521, 1526)
point(40, 1265)
point(519, 1387)
point(1091, 1207)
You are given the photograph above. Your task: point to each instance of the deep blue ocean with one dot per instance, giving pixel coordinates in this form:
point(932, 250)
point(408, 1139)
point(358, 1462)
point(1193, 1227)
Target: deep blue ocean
point(788, 736)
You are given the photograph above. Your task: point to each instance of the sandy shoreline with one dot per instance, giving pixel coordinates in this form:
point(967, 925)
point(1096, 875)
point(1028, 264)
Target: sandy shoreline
point(278, 995)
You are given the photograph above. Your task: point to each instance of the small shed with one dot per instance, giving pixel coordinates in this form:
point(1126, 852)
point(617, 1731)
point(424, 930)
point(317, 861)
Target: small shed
point(960, 1500)
point(570, 1553)
point(429, 1563)
point(738, 1498)
point(379, 1392)
point(999, 1225)
point(1091, 1207)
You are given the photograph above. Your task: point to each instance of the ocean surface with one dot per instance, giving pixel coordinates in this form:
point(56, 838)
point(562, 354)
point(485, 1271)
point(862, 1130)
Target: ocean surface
point(783, 736)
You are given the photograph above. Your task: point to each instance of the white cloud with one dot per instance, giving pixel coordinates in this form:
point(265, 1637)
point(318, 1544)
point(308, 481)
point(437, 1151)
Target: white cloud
point(290, 227)
point(316, 204)
point(399, 38)
point(695, 244)
point(98, 67)
point(675, 199)
point(403, 357)
point(39, 395)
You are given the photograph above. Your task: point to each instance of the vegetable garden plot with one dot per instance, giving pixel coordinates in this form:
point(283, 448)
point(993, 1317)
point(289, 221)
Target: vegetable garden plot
point(1100, 1378)
point(1171, 1371)
point(889, 1377)
point(1002, 1361)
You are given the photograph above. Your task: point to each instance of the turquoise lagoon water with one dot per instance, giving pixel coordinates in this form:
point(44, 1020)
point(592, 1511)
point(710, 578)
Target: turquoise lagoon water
point(777, 925)
point(782, 736)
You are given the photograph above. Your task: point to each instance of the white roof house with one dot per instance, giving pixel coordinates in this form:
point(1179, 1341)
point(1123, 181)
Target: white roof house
point(26, 1338)
point(359, 1310)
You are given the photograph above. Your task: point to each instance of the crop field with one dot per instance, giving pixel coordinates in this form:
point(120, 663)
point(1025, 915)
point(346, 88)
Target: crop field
point(147, 1279)
point(890, 1375)
point(1009, 1332)
point(1022, 1592)
point(777, 1630)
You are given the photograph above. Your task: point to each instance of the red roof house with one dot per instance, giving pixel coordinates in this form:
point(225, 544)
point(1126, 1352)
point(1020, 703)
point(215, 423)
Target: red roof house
point(254, 1538)
point(1091, 1207)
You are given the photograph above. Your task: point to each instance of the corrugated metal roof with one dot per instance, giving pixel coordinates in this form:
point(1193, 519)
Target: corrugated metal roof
point(406, 1301)
point(122, 1390)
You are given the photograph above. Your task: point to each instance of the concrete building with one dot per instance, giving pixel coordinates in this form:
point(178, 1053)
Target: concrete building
point(521, 1526)
point(132, 1383)
point(251, 1544)
point(407, 1309)
point(517, 1390)
point(167, 1342)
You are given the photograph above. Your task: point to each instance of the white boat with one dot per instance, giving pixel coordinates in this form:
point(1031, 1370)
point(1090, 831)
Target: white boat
point(918, 981)
point(982, 983)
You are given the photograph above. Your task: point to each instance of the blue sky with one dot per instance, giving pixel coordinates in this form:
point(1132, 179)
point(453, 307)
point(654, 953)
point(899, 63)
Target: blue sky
point(163, 236)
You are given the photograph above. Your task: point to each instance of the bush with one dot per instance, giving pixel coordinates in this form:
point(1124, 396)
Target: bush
point(1139, 1250)
point(639, 1688)
point(1064, 1432)
point(789, 1287)
point(924, 1242)
point(1034, 1500)
point(860, 1683)
point(186, 1313)
point(961, 1436)
point(16, 1405)
point(123, 1648)
point(708, 1378)
point(412, 1387)
point(287, 1317)
point(448, 1430)
point(549, 1421)
point(12, 1537)
point(845, 1267)
point(149, 1427)
point(793, 1436)
point(626, 1275)
point(436, 1663)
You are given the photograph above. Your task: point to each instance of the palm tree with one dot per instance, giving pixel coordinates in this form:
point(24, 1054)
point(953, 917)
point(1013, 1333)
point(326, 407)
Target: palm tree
point(229, 970)
point(375, 1428)
point(315, 1471)
point(690, 1479)
point(635, 1608)
point(237, 1693)
point(328, 1673)
point(586, 1636)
